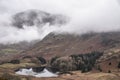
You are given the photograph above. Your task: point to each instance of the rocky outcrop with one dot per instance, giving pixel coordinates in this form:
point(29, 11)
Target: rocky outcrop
point(109, 61)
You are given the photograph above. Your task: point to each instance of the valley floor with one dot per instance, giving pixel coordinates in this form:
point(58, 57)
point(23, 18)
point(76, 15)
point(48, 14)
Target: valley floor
point(84, 76)
point(7, 72)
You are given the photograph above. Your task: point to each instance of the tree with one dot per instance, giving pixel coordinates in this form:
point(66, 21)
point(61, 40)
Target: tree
point(83, 69)
point(53, 59)
point(99, 68)
point(119, 65)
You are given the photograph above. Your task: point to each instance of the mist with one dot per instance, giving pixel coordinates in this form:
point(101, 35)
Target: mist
point(84, 15)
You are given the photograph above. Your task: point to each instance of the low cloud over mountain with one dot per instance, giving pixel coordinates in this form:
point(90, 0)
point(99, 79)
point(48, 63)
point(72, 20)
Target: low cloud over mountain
point(27, 20)
point(37, 18)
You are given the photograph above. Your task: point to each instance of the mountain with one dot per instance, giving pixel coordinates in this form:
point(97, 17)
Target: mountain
point(67, 44)
point(86, 47)
point(9, 51)
point(37, 18)
point(90, 52)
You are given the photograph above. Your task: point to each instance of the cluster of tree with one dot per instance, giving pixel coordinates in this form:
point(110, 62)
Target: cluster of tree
point(63, 64)
point(83, 62)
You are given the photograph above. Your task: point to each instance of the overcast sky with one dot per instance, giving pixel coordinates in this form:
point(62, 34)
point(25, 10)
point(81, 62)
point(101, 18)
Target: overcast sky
point(85, 15)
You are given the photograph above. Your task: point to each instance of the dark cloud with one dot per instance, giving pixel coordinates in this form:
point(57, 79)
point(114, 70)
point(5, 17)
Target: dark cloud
point(37, 18)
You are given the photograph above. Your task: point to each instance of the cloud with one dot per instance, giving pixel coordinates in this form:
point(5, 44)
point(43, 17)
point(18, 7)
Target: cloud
point(85, 15)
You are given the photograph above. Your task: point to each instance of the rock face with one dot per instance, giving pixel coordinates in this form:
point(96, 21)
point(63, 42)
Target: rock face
point(37, 18)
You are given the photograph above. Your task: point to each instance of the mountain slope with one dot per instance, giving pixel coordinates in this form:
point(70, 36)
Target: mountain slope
point(67, 44)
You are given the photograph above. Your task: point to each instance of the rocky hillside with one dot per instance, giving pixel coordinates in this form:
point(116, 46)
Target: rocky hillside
point(68, 44)
point(109, 61)
point(80, 49)
point(94, 56)
point(16, 47)
point(65, 45)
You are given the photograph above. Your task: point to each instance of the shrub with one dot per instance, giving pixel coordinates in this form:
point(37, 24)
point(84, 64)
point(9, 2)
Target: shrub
point(38, 69)
point(119, 65)
point(99, 68)
point(15, 62)
point(110, 63)
point(109, 71)
point(53, 59)
point(42, 60)
point(52, 69)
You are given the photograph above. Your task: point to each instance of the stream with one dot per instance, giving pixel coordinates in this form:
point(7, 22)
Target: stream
point(30, 72)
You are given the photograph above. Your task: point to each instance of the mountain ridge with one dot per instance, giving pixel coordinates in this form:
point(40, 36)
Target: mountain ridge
point(67, 44)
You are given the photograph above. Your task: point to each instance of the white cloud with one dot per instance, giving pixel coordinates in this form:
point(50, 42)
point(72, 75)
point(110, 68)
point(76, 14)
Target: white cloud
point(86, 15)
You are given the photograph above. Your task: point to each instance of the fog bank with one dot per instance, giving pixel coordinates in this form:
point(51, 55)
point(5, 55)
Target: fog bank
point(84, 15)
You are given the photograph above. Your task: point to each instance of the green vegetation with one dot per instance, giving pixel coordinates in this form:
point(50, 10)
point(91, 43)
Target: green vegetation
point(53, 59)
point(63, 64)
point(8, 51)
point(99, 68)
point(14, 66)
point(83, 62)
